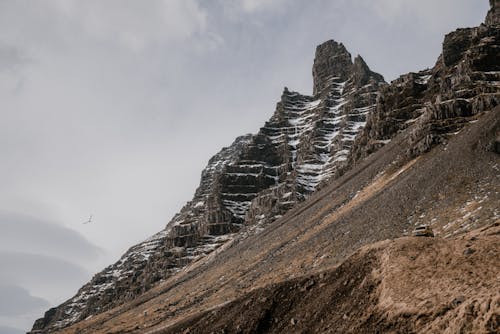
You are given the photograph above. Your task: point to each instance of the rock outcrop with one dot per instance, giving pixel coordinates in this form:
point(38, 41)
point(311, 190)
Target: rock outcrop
point(246, 185)
point(493, 16)
point(438, 102)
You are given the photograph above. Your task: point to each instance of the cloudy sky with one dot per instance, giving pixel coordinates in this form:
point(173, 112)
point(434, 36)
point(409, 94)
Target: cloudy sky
point(112, 109)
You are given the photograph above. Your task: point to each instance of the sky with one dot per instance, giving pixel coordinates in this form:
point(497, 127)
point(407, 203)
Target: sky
point(112, 109)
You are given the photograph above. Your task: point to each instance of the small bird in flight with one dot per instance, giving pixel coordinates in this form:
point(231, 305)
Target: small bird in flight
point(89, 220)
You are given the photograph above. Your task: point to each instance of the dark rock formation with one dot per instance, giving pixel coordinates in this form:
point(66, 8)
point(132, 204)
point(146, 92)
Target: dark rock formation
point(438, 102)
point(493, 17)
point(332, 60)
point(246, 185)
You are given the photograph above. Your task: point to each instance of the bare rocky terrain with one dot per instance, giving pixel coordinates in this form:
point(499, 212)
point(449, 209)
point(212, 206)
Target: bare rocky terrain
point(405, 285)
point(377, 200)
point(305, 226)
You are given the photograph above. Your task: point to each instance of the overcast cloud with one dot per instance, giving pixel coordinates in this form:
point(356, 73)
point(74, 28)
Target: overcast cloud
point(112, 108)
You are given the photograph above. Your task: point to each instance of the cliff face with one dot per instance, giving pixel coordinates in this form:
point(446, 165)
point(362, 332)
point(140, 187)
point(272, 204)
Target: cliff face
point(246, 185)
point(438, 102)
point(493, 17)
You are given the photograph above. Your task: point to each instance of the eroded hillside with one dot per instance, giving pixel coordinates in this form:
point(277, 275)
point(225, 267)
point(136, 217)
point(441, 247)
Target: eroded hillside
point(379, 199)
point(359, 162)
point(406, 285)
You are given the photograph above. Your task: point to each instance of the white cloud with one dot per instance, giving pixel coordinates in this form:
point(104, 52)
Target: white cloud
point(10, 58)
point(260, 5)
point(48, 277)
point(17, 301)
point(11, 330)
point(27, 234)
point(136, 26)
point(242, 10)
point(128, 23)
point(429, 15)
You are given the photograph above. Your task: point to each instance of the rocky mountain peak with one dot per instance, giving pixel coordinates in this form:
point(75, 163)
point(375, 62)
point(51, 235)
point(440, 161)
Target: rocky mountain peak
point(245, 186)
point(493, 16)
point(333, 64)
point(331, 60)
point(362, 73)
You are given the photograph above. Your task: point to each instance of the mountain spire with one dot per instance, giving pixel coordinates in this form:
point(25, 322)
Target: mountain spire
point(493, 16)
point(331, 60)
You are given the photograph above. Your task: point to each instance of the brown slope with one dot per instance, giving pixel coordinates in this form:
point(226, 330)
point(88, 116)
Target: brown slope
point(392, 195)
point(406, 285)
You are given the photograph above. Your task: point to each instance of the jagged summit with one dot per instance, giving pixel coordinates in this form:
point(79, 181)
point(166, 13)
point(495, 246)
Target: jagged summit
point(332, 60)
point(437, 103)
point(493, 16)
point(362, 73)
point(333, 63)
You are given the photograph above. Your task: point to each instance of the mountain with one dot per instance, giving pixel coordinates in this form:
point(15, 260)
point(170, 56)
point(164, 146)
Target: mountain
point(246, 185)
point(377, 200)
point(358, 162)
